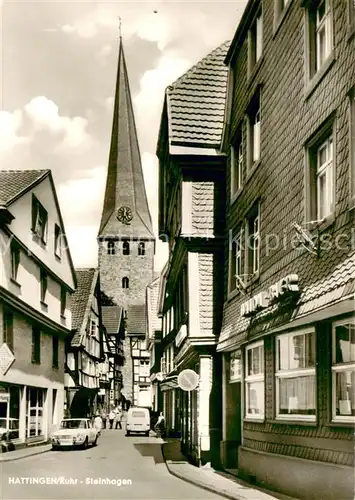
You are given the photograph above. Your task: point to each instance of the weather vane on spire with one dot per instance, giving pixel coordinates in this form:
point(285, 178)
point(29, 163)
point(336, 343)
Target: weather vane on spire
point(120, 26)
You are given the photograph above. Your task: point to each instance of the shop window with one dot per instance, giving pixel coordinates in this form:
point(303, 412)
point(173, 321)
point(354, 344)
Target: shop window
point(125, 282)
point(343, 371)
point(55, 352)
point(8, 326)
point(255, 41)
point(235, 367)
point(39, 219)
point(319, 35)
point(34, 412)
point(36, 345)
point(57, 241)
point(44, 285)
point(10, 410)
point(296, 376)
point(141, 248)
point(125, 248)
point(111, 247)
point(15, 260)
point(254, 381)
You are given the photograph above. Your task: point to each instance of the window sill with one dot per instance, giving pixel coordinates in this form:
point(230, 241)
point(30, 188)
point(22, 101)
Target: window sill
point(38, 238)
point(255, 70)
point(44, 306)
point(280, 19)
point(342, 423)
point(325, 224)
point(251, 171)
point(318, 77)
point(14, 282)
point(236, 195)
point(55, 367)
point(257, 420)
point(253, 279)
point(34, 362)
point(294, 421)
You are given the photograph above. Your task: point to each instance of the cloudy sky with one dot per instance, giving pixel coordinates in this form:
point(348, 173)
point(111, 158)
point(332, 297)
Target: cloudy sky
point(58, 65)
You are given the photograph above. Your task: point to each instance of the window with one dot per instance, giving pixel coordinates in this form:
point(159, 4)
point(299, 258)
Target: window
point(111, 247)
point(254, 381)
point(235, 261)
point(15, 260)
point(144, 369)
point(8, 324)
point(343, 371)
point(320, 185)
point(255, 41)
point(352, 144)
point(320, 35)
point(351, 15)
point(39, 219)
point(63, 300)
point(36, 345)
point(44, 284)
point(237, 164)
point(125, 282)
point(254, 132)
point(55, 353)
point(280, 6)
point(125, 248)
point(57, 241)
point(141, 248)
point(93, 328)
point(296, 376)
point(253, 241)
point(235, 367)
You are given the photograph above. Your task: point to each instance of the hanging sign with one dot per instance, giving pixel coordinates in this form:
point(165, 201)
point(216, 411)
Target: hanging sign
point(264, 299)
point(188, 380)
point(6, 358)
point(4, 397)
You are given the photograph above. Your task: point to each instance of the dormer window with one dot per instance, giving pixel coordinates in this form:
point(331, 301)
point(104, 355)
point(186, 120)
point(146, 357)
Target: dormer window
point(125, 282)
point(141, 248)
point(125, 248)
point(111, 247)
point(39, 219)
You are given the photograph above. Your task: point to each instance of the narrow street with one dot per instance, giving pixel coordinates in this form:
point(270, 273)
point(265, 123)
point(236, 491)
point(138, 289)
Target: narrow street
point(134, 463)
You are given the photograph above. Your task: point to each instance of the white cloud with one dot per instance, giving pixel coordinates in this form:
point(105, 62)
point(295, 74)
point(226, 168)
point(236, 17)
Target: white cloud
point(105, 51)
point(82, 244)
point(154, 28)
point(44, 114)
point(10, 124)
point(85, 29)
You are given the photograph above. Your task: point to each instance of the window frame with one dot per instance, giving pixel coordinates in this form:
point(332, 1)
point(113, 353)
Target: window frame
point(351, 17)
point(249, 379)
point(39, 213)
point(352, 146)
point(141, 248)
point(233, 258)
point(338, 368)
point(311, 209)
point(235, 356)
point(125, 282)
point(237, 164)
point(15, 260)
point(281, 7)
point(252, 216)
point(111, 250)
point(291, 373)
point(254, 109)
point(57, 241)
point(36, 345)
point(126, 250)
point(255, 35)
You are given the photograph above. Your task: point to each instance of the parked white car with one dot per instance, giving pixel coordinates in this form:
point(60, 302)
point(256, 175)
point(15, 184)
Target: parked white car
point(76, 432)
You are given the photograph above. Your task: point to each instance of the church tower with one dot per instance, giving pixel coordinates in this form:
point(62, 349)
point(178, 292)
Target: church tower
point(126, 241)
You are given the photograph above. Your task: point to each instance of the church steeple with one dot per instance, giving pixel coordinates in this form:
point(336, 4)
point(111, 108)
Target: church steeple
point(125, 211)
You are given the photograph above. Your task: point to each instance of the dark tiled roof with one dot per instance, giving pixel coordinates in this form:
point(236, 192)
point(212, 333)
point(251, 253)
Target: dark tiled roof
point(80, 300)
point(14, 182)
point(196, 102)
point(136, 319)
point(111, 318)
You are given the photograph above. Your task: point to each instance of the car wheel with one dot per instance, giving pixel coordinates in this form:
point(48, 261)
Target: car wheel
point(86, 444)
point(54, 447)
point(128, 433)
point(95, 441)
point(147, 433)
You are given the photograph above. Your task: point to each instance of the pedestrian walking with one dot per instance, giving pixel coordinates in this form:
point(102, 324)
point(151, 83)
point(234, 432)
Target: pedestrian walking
point(111, 418)
point(118, 417)
point(103, 418)
point(98, 423)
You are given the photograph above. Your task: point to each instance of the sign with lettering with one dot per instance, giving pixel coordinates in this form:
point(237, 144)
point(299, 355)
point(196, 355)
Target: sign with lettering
point(264, 299)
point(4, 397)
point(6, 358)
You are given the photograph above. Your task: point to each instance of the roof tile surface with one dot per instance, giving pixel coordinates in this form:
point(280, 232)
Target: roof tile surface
point(13, 182)
point(136, 323)
point(111, 318)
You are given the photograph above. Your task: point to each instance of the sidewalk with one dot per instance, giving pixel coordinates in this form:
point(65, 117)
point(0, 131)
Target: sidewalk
point(24, 452)
point(221, 483)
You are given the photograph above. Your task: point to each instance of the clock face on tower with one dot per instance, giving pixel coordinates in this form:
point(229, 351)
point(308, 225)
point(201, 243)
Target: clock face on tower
point(124, 215)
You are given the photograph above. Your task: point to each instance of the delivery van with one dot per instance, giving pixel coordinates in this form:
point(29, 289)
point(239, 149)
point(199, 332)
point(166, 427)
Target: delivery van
point(138, 420)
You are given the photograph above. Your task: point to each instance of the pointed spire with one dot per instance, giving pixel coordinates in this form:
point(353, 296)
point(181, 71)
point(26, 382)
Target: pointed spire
point(125, 182)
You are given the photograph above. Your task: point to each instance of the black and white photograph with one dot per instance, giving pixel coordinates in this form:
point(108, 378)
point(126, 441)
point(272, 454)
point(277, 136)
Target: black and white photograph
point(177, 249)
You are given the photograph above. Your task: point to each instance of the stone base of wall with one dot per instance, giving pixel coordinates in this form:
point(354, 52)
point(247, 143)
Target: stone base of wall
point(229, 454)
point(297, 477)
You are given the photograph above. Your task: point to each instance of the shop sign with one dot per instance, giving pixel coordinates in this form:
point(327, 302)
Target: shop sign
point(6, 358)
point(4, 397)
point(264, 299)
point(181, 335)
point(188, 380)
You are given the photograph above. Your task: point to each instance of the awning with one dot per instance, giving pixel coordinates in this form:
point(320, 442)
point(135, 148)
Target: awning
point(169, 383)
